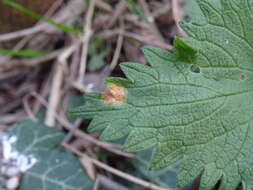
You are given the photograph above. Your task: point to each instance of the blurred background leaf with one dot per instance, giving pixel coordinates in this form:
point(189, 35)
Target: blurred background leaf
point(54, 167)
point(98, 51)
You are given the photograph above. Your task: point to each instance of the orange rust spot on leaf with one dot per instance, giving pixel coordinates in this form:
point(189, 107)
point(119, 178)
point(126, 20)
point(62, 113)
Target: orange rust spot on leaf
point(115, 95)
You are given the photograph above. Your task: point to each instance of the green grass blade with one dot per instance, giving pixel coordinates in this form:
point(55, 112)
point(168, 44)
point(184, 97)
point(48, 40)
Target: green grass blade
point(40, 17)
point(22, 53)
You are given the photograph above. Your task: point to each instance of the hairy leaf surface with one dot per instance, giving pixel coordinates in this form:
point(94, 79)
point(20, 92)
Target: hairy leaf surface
point(195, 103)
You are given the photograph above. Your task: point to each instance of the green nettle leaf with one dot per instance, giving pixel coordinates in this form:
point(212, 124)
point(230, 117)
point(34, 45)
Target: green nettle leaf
point(195, 104)
point(45, 164)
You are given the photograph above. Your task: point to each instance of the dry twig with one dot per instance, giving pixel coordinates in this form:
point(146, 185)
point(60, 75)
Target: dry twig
point(121, 7)
point(107, 146)
point(32, 62)
point(140, 38)
point(55, 93)
point(90, 169)
point(115, 171)
point(104, 6)
point(118, 49)
point(86, 39)
point(177, 15)
point(108, 183)
point(28, 109)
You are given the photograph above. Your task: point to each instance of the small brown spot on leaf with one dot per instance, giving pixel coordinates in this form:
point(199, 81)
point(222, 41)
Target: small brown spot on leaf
point(242, 77)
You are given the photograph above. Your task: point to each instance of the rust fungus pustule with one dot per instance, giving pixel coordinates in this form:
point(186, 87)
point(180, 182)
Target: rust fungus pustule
point(115, 95)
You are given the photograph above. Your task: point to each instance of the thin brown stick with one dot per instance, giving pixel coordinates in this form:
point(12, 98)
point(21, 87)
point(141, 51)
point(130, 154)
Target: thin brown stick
point(86, 39)
point(24, 32)
point(107, 146)
point(140, 38)
point(120, 8)
point(177, 16)
point(55, 93)
point(143, 39)
point(109, 183)
point(28, 109)
point(96, 185)
point(90, 169)
point(115, 171)
point(32, 62)
point(103, 5)
point(117, 51)
point(12, 118)
point(44, 91)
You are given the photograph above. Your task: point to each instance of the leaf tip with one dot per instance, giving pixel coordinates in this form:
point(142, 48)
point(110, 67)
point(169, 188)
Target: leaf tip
point(147, 48)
